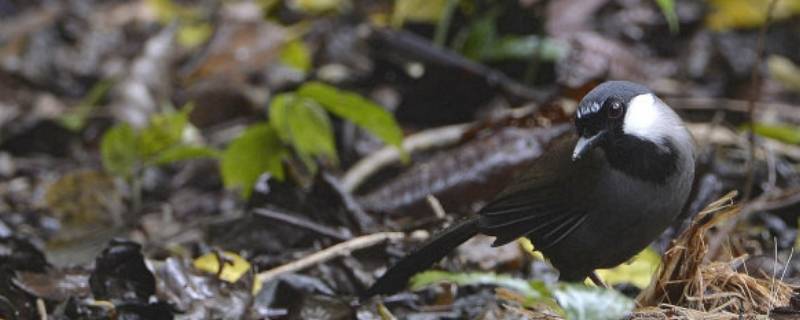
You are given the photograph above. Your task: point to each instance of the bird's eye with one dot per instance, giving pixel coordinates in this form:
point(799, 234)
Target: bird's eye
point(614, 109)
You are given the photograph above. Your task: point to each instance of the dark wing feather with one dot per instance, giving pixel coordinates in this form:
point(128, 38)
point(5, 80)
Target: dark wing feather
point(546, 203)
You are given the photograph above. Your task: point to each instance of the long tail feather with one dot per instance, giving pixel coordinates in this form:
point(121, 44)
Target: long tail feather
point(396, 278)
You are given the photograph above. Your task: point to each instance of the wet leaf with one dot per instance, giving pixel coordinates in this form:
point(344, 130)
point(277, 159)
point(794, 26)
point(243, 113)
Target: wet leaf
point(84, 197)
point(357, 109)
point(185, 152)
point(304, 125)
point(233, 268)
point(118, 149)
point(638, 271)
point(296, 54)
point(120, 273)
point(256, 151)
point(590, 303)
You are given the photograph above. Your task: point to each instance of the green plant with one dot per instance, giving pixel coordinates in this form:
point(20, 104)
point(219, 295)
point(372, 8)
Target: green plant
point(573, 301)
point(126, 150)
point(299, 123)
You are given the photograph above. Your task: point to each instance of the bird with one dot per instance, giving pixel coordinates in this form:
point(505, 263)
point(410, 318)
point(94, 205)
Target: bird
point(596, 198)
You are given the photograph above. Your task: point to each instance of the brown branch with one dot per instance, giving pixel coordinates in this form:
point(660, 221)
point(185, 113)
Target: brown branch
point(755, 86)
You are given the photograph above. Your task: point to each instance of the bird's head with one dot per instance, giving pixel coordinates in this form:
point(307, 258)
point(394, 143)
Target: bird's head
point(619, 111)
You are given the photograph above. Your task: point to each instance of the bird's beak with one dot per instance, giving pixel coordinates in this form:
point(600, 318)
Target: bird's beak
point(584, 145)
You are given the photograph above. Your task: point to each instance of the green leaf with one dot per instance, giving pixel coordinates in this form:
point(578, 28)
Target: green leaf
point(302, 123)
point(523, 48)
point(535, 290)
point(118, 150)
point(164, 131)
point(784, 71)
point(780, 132)
point(185, 152)
point(481, 35)
point(75, 118)
point(256, 151)
point(296, 54)
point(417, 11)
point(357, 109)
point(591, 303)
point(668, 10)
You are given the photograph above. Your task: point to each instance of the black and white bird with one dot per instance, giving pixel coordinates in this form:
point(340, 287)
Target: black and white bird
point(597, 197)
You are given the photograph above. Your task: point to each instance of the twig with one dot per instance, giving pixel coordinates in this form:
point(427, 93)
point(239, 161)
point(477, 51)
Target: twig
point(728, 227)
point(338, 250)
point(755, 85)
point(436, 206)
point(41, 308)
point(422, 140)
point(297, 221)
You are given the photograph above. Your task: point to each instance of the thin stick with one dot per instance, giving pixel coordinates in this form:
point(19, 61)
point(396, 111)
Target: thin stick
point(338, 250)
point(436, 206)
point(755, 84)
point(41, 308)
point(297, 221)
point(728, 227)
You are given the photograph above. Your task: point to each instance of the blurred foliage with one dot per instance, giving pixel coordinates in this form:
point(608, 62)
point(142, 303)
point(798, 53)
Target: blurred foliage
point(731, 14)
point(75, 118)
point(668, 10)
point(417, 11)
point(592, 303)
point(535, 290)
point(576, 301)
point(194, 28)
point(83, 197)
point(297, 55)
point(125, 150)
point(480, 41)
point(784, 71)
point(638, 271)
point(228, 266)
point(317, 6)
point(780, 132)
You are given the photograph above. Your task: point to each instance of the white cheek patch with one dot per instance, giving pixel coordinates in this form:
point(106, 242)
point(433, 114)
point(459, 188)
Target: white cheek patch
point(648, 118)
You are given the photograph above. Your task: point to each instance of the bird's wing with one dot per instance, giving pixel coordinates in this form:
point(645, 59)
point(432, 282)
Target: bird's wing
point(546, 203)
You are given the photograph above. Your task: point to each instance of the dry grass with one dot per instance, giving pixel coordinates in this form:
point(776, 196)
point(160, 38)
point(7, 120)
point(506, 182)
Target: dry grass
point(689, 287)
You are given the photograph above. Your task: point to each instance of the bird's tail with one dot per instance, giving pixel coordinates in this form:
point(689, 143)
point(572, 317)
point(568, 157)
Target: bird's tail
point(396, 278)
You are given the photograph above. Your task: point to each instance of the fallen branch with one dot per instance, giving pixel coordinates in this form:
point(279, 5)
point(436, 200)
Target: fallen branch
point(338, 250)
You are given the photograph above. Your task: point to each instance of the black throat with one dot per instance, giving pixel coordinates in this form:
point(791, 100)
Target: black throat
point(641, 158)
